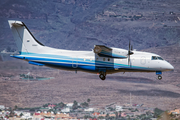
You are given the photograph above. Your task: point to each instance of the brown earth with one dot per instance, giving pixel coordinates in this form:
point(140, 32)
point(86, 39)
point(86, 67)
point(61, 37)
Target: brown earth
point(68, 86)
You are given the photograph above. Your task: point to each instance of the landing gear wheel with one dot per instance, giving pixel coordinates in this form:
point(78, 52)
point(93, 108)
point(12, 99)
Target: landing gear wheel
point(102, 76)
point(159, 77)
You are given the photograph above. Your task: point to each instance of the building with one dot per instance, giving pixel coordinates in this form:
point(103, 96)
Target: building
point(15, 118)
point(2, 107)
point(119, 108)
point(96, 114)
point(175, 112)
point(50, 116)
point(89, 110)
point(37, 117)
point(123, 114)
point(51, 106)
point(110, 115)
point(69, 105)
point(63, 116)
point(26, 115)
point(47, 114)
point(66, 110)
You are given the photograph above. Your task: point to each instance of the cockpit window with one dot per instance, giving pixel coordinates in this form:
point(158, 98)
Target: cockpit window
point(159, 58)
point(156, 58)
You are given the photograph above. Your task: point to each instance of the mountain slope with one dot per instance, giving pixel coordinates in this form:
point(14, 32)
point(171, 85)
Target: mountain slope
point(86, 23)
point(68, 86)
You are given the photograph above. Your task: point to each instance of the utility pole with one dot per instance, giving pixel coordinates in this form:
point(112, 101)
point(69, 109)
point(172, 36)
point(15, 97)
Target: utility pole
point(130, 100)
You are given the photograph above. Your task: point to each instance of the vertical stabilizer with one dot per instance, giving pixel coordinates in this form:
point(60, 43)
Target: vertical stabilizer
point(25, 41)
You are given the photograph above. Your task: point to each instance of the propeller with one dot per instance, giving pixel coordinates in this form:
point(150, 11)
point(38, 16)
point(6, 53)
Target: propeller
point(130, 53)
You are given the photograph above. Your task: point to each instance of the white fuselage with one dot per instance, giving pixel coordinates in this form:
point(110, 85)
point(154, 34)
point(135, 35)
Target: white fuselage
point(90, 62)
point(102, 59)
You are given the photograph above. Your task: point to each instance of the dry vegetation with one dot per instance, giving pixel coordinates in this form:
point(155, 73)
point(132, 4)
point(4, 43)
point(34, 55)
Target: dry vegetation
point(69, 86)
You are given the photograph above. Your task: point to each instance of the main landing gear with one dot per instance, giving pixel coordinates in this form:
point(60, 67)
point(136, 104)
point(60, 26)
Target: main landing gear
point(102, 75)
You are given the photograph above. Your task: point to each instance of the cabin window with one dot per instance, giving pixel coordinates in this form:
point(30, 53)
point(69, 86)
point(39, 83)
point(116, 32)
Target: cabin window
point(103, 59)
point(108, 59)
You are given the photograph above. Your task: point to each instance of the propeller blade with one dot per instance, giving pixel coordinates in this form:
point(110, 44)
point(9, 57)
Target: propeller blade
point(128, 59)
point(131, 47)
point(130, 53)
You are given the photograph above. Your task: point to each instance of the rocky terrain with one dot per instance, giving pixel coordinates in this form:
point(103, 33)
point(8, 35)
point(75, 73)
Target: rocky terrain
point(151, 25)
point(68, 86)
point(56, 23)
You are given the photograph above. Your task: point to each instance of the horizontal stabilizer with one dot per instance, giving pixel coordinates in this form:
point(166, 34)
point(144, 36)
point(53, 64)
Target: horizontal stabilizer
point(35, 63)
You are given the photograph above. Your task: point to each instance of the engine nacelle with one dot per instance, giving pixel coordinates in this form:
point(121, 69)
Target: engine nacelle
point(104, 51)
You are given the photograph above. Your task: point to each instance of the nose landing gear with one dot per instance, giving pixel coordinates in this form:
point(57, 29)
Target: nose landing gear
point(159, 77)
point(159, 73)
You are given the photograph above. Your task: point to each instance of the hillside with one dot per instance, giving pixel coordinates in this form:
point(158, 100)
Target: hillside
point(151, 25)
point(84, 23)
point(68, 86)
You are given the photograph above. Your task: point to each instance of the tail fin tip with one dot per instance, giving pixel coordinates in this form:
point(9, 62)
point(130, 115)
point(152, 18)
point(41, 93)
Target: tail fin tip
point(25, 41)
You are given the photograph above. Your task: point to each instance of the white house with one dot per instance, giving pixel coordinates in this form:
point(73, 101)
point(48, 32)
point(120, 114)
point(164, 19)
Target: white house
point(2, 107)
point(119, 108)
point(18, 113)
point(89, 110)
point(27, 115)
point(66, 110)
point(69, 104)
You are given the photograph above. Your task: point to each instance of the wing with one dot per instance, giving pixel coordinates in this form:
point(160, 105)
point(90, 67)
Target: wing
point(104, 51)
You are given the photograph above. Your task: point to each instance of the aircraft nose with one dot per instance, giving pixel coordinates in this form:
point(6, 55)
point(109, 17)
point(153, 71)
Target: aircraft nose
point(170, 67)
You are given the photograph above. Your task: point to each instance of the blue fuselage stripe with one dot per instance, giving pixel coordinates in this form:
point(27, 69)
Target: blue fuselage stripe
point(67, 62)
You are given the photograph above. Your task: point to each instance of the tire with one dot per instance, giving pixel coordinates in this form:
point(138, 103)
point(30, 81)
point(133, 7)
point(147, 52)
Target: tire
point(102, 77)
point(159, 77)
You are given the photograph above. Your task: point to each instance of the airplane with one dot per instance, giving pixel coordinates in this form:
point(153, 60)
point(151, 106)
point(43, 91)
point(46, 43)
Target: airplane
point(101, 60)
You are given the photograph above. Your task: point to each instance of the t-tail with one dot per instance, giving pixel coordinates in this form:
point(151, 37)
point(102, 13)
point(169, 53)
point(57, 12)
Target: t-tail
point(25, 41)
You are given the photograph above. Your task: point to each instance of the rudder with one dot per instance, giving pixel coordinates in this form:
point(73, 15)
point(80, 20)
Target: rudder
point(25, 41)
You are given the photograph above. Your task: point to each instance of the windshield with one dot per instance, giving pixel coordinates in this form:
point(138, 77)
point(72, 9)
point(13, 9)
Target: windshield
point(156, 58)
